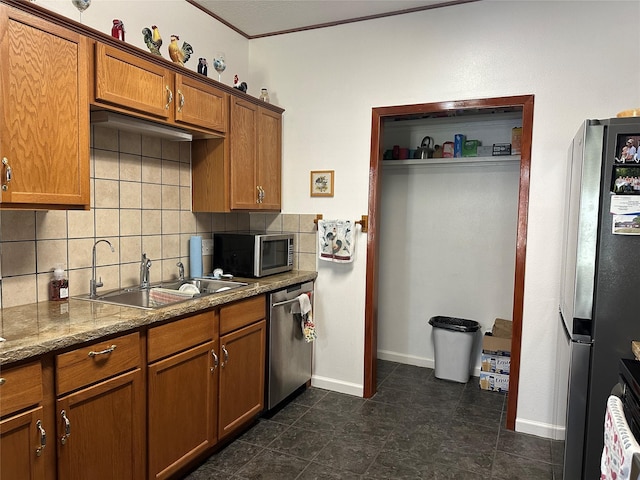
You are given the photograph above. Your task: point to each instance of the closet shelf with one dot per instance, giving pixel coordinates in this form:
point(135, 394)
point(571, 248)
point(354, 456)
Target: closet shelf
point(464, 161)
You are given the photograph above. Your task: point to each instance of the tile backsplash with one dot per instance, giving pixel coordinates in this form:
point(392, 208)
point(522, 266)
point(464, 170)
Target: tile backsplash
point(140, 202)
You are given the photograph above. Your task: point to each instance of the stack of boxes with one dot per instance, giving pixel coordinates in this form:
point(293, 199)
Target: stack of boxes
point(496, 357)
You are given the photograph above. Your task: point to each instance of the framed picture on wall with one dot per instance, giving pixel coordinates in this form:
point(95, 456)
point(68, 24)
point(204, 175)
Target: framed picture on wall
point(322, 183)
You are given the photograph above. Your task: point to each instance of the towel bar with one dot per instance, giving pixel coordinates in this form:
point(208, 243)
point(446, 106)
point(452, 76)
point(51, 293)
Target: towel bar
point(363, 222)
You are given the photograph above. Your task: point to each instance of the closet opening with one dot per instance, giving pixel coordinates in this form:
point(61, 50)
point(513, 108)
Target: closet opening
point(407, 126)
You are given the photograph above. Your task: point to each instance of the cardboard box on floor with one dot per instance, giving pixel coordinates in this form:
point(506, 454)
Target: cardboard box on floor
point(498, 341)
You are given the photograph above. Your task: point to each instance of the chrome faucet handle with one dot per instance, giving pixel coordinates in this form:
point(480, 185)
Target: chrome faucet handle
point(180, 266)
point(145, 265)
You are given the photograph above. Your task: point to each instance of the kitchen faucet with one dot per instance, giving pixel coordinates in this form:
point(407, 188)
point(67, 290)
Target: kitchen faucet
point(93, 285)
point(145, 265)
point(180, 266)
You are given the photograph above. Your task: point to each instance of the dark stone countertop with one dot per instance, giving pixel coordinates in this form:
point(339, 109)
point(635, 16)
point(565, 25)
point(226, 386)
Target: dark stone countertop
point(39, 328)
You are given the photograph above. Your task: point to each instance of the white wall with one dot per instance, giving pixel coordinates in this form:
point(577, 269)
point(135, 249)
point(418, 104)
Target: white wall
point(205, 34)
point(573, 56)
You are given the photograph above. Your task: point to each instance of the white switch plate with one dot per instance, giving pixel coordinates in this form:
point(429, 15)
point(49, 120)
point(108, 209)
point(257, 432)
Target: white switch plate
point(207, 247)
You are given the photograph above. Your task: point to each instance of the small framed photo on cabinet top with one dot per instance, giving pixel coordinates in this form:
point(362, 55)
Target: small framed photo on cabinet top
point(322, 183)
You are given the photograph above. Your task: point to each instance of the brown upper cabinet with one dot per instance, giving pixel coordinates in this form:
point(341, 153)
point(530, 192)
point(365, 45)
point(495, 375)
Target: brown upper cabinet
point(243, 172)
point(44, 132)
point(129, 84)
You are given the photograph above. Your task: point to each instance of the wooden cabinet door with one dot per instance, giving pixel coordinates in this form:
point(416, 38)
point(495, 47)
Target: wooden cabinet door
point(269, 158)
point(182, 408)
point(242, 372)
point(106, 431)
point(129, 82)
point(200, 105)
point(44, 125)
point(242, 148)
point(20, 446)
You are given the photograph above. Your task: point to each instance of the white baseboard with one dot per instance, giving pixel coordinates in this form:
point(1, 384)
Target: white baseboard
point(413, 360)
point(405, 359)
point(545, 430)
point(337, 385)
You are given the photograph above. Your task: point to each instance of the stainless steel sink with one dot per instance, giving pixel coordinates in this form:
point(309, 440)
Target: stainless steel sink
point(165, 293)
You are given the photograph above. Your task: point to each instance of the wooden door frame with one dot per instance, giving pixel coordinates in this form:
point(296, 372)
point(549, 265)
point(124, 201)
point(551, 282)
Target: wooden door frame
point(525, 102)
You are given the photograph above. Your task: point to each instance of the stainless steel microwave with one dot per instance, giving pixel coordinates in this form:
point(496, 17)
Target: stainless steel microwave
point(250, 254)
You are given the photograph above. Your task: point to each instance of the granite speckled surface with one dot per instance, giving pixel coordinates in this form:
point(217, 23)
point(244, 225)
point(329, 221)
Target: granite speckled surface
point(36, 329)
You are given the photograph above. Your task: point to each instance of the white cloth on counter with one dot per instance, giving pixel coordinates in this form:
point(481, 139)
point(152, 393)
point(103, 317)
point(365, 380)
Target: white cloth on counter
point(303, 307)
point(619, 443)
point(337, 240)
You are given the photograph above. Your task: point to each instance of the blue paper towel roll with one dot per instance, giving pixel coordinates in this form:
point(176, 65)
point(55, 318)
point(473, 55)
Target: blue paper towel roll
point(195, 256)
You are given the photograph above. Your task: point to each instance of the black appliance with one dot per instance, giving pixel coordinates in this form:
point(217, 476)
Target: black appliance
point(600, 279)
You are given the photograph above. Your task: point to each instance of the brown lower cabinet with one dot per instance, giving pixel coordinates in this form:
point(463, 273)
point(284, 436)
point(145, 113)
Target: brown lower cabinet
point(20, 446)
point(182, 392)
point(118, 416)
point(100, 411)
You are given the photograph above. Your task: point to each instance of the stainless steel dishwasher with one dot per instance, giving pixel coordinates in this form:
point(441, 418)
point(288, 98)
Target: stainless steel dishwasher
point(289, 356)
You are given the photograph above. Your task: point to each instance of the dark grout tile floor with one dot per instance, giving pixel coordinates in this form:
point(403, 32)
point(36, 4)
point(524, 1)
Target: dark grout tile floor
point(415, 427)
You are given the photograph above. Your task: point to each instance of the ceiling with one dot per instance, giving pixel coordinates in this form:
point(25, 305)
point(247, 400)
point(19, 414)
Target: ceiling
point(260, 18)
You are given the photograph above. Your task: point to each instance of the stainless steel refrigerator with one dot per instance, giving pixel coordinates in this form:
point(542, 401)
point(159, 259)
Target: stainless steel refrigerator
point(600, 288)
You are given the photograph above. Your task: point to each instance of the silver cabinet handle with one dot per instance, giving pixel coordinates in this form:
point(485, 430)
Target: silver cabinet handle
point(102, 352)
point(67, 427)
point(215, 361)
point(226, 356)
point(181, 104)
point(258, 197)
point(169, 97)
point(261, 194)
point(8, 174)
point(3, 380)
point(43, 438)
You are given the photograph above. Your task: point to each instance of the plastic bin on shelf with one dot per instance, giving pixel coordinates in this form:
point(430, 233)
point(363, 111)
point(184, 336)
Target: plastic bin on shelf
point(453, 341)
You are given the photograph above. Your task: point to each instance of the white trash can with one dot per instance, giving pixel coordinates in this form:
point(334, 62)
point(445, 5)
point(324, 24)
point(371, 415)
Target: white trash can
point(453, 341)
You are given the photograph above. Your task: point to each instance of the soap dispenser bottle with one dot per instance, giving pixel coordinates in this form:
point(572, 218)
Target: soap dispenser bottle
point(59, 286)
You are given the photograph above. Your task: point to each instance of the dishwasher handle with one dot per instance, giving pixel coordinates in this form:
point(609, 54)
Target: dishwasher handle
point(287, 302)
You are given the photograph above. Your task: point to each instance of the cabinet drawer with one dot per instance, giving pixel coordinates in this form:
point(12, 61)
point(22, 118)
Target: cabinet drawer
point(180, 335)
point(20, 387)
point(96, 362)
point(241, 314)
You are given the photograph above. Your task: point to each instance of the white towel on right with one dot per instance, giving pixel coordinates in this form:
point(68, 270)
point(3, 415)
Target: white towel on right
point(619, 443)
point(336, 240)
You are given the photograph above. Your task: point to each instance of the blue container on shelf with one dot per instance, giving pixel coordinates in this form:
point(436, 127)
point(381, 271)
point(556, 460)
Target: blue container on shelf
point(458, 141)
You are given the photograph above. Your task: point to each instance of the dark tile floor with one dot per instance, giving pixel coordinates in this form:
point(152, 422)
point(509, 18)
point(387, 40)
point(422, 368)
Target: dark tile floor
point(415, 427)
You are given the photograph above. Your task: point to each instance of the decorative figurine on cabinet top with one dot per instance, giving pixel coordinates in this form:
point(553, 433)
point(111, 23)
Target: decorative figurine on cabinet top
point(202, 66)
point(152, 39)
point(240, 86)
point(117, 31)
point(81, 5)
point(179, 54)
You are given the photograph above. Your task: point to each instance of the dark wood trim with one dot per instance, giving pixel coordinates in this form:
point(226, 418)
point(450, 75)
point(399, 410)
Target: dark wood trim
point(525, 102)
point(329, 24)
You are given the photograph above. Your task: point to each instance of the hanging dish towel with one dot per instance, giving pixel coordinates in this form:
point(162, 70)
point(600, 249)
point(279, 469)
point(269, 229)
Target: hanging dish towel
point(306, 321)
point(336, 240)
point(619, 443)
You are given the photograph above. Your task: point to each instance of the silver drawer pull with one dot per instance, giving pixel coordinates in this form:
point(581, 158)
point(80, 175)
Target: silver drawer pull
point(169, 97)
point(3, 380)
point(67, 427)
point(226, 356)
point(215, 361)
point(8, 174)
point(102, 352)
point(43, 438)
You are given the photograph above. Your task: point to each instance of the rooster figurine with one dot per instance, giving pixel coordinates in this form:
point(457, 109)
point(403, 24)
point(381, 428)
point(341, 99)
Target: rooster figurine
point(179, 54)
point(242, 86)
point(153, 39)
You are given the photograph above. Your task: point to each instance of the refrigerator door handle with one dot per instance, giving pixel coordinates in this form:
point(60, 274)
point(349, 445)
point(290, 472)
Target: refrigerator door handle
point(577, 408)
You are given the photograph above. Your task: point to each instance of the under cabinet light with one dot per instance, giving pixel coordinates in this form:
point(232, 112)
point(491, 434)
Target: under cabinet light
point(130, 124)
